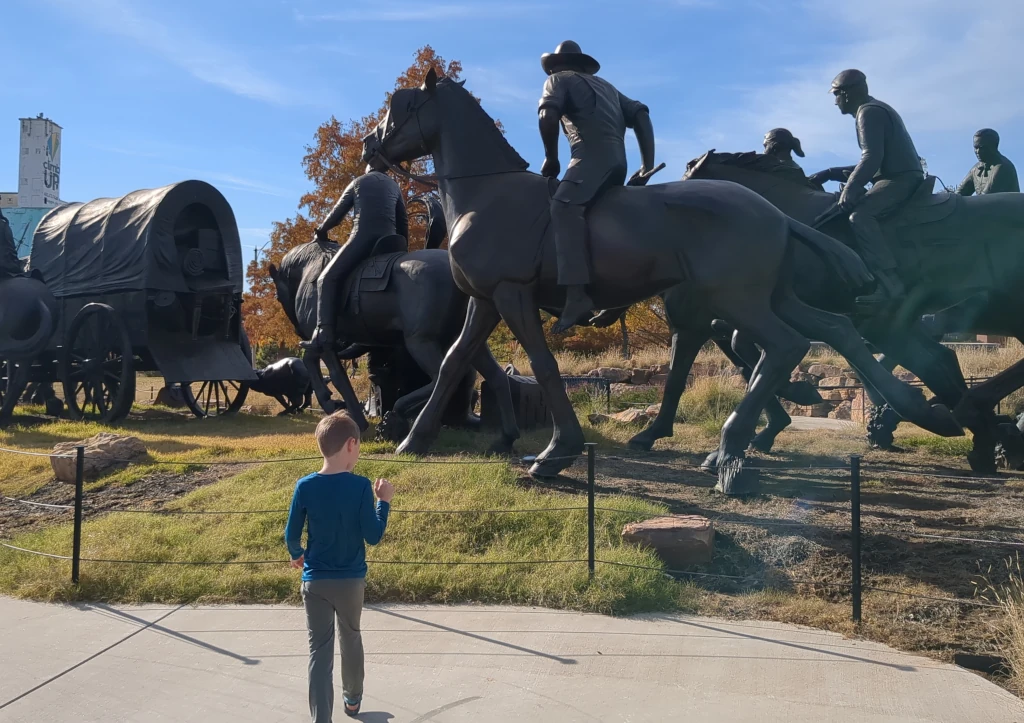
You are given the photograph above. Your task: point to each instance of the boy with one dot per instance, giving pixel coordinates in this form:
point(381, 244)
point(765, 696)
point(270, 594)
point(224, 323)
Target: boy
point(338, 506)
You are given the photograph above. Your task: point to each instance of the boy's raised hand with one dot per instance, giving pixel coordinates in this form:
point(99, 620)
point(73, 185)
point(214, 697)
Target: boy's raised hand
point(384, 490)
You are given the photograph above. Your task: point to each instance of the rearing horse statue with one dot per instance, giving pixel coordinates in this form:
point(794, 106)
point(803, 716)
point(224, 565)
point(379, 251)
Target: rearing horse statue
point(727, 244)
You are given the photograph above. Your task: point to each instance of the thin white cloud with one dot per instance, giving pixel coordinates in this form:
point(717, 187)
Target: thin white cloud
point(503, 85)
point(947, 66)
point(236, 183)
point(185, 46)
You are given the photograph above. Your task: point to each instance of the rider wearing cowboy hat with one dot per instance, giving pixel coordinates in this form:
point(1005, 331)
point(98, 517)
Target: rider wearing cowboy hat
point(594, 116)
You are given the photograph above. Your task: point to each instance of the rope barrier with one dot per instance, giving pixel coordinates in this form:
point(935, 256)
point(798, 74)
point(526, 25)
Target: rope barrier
point(392, 511)
point(957, 600)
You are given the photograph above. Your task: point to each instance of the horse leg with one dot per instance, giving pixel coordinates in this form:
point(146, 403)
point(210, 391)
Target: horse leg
point(285, 404)
point(978, 402)
point(481, 318)
point(17, 380)
point(485, 363)
point(686, 344)
point(782, 349)
point(742, 351)
point(311, 360)
point(344, 385)
point(519, 310)
point(839, 332)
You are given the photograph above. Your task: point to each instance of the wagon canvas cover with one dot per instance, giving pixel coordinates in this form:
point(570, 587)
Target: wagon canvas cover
point(112, 245)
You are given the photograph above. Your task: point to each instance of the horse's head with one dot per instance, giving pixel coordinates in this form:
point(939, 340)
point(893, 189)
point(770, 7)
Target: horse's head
point(299, 265)
point(410, 128)
point(441, 119)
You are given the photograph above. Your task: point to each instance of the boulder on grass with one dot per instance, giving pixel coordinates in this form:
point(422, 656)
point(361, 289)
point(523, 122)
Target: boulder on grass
point(640, 376)
point(679, 540)
point(612, 374)
point(103, 453)
point(170, 397)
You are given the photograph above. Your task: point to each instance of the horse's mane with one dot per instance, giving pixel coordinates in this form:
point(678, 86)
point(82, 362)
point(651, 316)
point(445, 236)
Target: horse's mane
point(759, 163)
point(470, 106)
point(750, 160)
point(305, 260)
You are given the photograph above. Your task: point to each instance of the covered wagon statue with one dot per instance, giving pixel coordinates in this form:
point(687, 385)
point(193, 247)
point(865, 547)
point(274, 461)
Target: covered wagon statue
point(150, 281)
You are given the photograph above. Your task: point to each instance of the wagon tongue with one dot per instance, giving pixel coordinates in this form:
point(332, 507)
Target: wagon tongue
point(182, 359)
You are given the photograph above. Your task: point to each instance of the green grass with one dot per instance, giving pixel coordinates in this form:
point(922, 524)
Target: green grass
point(447, 538)
point(941, 446)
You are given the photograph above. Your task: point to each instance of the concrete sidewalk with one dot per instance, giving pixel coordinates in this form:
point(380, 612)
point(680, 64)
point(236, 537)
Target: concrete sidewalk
point(446, 664)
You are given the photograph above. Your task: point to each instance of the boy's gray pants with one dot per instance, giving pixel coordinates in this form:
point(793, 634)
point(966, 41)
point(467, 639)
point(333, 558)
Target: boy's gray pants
point(325, 601)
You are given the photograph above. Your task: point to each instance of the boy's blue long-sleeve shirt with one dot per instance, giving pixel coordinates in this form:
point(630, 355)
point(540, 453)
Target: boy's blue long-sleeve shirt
point(341, 515)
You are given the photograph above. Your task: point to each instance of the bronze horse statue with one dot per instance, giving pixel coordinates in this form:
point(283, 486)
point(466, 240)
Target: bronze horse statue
point(728, 245)
point(415, 307)
point(956, 253)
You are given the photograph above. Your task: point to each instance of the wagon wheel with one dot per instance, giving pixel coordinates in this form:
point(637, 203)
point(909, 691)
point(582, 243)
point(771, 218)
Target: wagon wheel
point(221, 397)
point(98, 367)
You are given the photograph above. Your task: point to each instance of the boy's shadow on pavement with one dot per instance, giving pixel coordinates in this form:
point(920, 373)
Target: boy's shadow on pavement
point(374, 717)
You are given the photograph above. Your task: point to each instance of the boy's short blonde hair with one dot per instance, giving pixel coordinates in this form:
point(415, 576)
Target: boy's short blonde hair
point(334, 431)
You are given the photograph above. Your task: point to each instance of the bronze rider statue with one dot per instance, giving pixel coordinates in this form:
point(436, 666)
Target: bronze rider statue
point(993, 173)
point(378, 210)
point(594, 116)
point(890, 162)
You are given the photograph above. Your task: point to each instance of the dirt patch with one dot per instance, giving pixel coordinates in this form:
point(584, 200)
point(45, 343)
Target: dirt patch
point(151, 492)
point(791, 545)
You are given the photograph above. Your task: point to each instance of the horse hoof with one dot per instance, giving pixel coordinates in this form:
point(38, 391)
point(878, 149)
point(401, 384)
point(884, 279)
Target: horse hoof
point(412, 446)
point(642, 442)
point(982, 462)
point(501, 448)
point(710, 463)
point(803, 393)
point(763, 442)
point(392, 428)
point(735, 479)
point(942, 422)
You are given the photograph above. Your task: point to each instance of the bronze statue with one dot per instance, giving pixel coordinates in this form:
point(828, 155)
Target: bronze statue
point(594, 116)
point(952, 250)
point(10, 264)
point(397, 304)
point(780, 143)
point(378, 211)
point(891, 163)
point(727, 244)
point(993, 173)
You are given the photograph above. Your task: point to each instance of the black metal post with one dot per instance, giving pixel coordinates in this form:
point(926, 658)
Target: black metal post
point(590, 507)
point(76, 545)
point(855, 532)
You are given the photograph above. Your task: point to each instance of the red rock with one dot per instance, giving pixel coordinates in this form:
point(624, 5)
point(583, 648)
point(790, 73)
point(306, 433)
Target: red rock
point(640, 376)
point(679, 540)
point(659, 380)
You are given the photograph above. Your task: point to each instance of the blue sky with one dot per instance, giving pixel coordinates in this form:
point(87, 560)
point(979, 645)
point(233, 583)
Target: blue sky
point(230, 91)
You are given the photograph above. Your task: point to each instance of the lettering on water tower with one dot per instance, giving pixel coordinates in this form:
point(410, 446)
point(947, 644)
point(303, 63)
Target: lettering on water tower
point(39, 167)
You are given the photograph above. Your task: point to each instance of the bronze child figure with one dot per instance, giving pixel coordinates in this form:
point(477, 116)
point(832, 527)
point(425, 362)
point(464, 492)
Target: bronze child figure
point(594, 116)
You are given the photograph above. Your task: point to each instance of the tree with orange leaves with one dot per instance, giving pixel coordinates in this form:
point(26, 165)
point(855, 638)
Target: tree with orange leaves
point(331, 162)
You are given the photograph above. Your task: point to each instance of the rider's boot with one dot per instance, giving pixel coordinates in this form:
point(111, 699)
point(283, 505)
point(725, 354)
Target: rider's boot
point(888, 290)
point(578, 309)
point(322, 339)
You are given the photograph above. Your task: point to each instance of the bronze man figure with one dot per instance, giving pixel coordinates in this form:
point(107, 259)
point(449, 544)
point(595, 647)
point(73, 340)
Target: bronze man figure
point(594, 116)
point(378, 210)
point(10, 264)
point(780, 143)
point(890, 162)
point(993, 173)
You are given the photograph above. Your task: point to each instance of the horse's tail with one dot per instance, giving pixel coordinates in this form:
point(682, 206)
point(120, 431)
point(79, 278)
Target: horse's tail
point(839, 258)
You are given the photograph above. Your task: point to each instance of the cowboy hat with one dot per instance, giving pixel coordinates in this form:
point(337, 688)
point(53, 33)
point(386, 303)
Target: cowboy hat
point(568, 56)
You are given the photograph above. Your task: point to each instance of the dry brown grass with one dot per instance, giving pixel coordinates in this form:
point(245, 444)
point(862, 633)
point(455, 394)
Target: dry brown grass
point(1010, 595)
